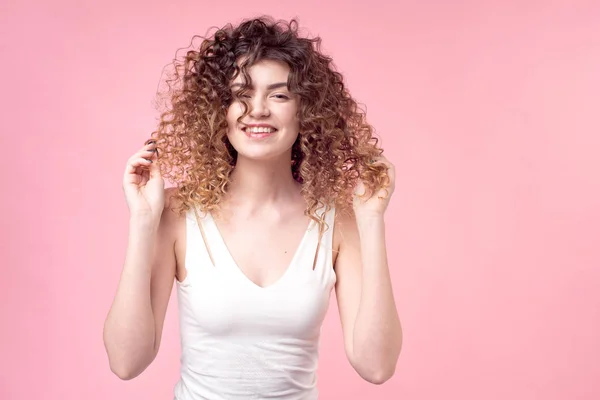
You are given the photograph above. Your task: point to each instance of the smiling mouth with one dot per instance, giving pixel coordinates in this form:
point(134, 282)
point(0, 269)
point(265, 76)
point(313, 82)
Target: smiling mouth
point(257, 130)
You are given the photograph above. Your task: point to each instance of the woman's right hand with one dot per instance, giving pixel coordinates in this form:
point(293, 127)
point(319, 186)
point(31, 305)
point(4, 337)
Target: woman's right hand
point(143, 184)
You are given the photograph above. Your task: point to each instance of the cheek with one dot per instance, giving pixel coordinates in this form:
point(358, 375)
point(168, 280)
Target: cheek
point(292, 117)
point(233, 113)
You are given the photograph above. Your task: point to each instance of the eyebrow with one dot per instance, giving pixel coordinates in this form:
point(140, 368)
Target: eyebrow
point(270, 87)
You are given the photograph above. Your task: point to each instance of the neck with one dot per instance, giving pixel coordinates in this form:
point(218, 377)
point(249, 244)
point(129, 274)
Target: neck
point(256, 185)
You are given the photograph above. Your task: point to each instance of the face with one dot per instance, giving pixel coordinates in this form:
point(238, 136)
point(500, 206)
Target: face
point(271, 127)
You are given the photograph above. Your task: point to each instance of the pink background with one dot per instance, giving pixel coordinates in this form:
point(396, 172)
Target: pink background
point(489, 111)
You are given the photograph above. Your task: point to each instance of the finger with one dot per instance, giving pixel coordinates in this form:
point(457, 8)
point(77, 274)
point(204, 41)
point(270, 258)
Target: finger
point(382, 160)
point(146, 153)
point(154, 170)
point(390, 168)
point(150, 145)
point(151, 154)
point(137, 162)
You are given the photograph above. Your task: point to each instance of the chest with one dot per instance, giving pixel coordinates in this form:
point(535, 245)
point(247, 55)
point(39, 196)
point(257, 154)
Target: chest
point(220, 305)
point(261, 251)
point(262, 281)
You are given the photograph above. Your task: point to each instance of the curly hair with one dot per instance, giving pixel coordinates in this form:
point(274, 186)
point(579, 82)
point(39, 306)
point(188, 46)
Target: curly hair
point(335, 146)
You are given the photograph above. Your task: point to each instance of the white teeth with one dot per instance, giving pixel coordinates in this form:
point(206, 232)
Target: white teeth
point(259, 130)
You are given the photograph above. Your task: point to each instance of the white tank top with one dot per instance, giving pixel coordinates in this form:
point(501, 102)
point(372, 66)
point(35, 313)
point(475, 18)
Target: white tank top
point(242, 341)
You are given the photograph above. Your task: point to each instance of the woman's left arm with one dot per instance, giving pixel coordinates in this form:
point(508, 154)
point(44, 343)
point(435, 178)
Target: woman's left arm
point(370, 322)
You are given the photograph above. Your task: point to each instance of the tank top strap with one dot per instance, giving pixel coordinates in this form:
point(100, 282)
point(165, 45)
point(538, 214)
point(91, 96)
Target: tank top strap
point(198, 253)
point(199, 231)
point(329, 220)
point(324, 236)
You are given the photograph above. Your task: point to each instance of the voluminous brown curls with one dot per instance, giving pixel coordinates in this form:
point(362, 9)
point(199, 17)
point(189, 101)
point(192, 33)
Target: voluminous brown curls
point(335, 144)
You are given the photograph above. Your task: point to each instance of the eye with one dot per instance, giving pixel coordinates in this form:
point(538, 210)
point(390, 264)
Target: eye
point(281, 96)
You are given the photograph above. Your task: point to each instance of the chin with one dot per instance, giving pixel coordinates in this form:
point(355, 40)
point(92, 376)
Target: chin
point(260, 154)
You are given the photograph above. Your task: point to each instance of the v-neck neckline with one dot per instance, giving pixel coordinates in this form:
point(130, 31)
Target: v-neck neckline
point(230, 260)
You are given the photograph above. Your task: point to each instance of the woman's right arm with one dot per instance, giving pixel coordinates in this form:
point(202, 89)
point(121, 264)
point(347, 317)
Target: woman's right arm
point(133, 327)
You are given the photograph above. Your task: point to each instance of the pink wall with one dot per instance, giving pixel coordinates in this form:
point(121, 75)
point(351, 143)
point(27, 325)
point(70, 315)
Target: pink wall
point(489, 111)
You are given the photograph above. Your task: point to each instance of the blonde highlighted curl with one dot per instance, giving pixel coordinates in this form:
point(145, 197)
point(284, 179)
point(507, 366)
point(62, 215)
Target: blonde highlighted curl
point(335, 146)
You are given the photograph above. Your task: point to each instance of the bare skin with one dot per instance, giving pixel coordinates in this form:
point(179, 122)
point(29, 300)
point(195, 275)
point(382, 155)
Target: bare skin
point(244, 236)
point(269, 224)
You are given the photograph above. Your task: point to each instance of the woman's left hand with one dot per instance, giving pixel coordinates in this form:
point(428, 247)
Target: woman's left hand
point(378, 202)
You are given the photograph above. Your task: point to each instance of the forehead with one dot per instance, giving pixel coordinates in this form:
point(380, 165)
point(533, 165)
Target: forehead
point(265, 72)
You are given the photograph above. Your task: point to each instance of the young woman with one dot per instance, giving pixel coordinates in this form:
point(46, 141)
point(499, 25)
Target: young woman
point(279, 197)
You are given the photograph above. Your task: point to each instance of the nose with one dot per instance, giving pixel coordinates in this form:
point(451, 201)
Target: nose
point(259, 107)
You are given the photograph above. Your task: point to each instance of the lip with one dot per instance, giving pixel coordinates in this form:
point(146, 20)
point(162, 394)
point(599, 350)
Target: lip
point(244, 126)
point(260, 135)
